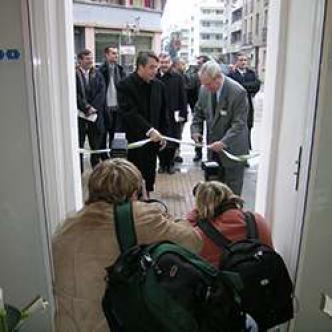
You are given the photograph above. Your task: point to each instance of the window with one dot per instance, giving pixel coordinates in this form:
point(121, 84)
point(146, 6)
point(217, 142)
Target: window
point(205, 36)
point(257, 25)
point(149, 3)
point(205, 23)
point(266, 14)
point(237, 15)
point(236, 36)
point(206, 11)
point(218, 36)
point(219, 11)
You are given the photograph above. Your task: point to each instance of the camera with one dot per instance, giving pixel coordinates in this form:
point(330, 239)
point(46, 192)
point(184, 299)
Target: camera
point(119, 147)
point(211, 170)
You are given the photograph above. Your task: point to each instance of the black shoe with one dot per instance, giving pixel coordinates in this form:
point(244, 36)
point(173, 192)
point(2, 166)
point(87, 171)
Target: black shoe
point(161, 170)
point(178, 159)
point(197, 158)
point(171, 170)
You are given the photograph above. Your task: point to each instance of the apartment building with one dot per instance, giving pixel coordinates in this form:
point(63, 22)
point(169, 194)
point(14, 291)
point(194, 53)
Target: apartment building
point(255, 18)
point(233, 29)
point(133, 25)
point(208, 22)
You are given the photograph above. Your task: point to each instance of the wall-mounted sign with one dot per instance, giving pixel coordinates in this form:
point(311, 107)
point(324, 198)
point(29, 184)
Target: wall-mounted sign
point(10, 54)
point(128, 49)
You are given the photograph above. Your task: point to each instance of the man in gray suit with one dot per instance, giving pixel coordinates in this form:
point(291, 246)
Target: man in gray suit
point(222, 103)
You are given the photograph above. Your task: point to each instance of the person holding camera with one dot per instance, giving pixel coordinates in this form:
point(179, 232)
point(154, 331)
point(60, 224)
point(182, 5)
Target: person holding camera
point(86, 243)
point(216, 202)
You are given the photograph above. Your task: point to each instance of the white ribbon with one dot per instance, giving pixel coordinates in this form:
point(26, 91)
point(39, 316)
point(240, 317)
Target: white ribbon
point(239, 158)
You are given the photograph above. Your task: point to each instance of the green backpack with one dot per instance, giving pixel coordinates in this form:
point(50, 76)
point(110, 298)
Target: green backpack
point(164, 287)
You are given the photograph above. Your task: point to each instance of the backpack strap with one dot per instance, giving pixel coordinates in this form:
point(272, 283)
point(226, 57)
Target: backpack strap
point(214, 234)
point(252, 231)
point(124, 226)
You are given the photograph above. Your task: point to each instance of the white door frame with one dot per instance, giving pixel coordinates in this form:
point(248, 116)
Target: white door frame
point(52, 56)
point(272, 117)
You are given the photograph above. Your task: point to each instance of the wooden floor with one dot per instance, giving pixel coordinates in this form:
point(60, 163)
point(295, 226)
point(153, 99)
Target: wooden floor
point(176, 190)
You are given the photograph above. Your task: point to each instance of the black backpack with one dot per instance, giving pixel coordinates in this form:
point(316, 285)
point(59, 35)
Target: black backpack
point(267, 294)
point(165, 288)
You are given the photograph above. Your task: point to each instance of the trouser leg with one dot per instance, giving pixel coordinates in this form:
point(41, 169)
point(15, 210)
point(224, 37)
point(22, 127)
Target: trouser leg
point(233, 177)
point(94, 137)
point(81, 139)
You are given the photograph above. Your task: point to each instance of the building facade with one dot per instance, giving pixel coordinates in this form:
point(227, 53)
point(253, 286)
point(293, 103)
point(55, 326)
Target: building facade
point(209, 19)
point(233, 29)
point(255, 18)
point(133, 25)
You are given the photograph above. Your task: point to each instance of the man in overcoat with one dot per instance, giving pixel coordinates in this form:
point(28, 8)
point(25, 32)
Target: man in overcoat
point(113, 73)
point(142, 103)
point(177, 107)
point(249, 80)
point(222, 103)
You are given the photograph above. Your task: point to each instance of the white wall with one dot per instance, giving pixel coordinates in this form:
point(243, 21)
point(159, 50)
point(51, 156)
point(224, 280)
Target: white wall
point(315, 272)
point(293, 62)
point(24, 263)
point(40, 176)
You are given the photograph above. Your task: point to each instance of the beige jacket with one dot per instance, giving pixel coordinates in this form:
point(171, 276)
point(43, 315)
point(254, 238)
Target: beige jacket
point(86, 244)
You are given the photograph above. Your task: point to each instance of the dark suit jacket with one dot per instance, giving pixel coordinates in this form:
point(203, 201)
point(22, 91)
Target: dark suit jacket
point(176, 100)
point(94, 93)
point(229, 122)
point(252, 84)
point(119, 73)
point(137, 119)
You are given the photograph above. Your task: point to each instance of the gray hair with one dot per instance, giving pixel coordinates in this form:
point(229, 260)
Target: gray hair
point(210, 69)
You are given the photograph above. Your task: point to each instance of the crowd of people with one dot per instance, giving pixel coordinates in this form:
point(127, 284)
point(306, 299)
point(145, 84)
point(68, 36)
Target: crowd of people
point(153, 102)
point(149, 103)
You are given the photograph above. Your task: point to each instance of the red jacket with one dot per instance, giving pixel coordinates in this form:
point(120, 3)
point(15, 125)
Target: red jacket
point(232, 224)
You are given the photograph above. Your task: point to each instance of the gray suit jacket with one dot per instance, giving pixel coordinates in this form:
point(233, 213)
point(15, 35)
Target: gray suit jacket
point(229, 123)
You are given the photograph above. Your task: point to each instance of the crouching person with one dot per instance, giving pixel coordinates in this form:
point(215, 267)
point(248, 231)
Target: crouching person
point(216, 203)
point(86, 244)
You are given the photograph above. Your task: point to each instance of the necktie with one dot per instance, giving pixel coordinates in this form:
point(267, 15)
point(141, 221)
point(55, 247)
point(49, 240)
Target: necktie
point(214, 103)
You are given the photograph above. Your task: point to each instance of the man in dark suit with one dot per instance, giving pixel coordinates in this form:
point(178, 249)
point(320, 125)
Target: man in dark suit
point(90, 92)
point(142, 104)
point(193, 86)
point(223, 104)
point(177, 107)
point(249, 80)
point(112, 73)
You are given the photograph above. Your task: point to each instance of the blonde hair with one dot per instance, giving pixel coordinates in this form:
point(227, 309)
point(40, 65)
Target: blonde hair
point(114, 181)
point(211, 195)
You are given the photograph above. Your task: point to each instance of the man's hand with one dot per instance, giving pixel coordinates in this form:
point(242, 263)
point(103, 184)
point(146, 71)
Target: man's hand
point(155, 136)
point(92, 110)
point(216, 146)
point(197, 137)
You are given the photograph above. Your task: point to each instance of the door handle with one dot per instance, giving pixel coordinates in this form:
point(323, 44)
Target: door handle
point(298, 169)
